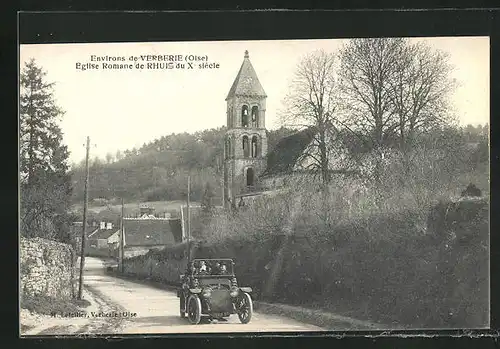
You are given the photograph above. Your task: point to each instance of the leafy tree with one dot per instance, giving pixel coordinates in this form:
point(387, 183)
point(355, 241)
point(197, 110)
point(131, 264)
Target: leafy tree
point(45, 182)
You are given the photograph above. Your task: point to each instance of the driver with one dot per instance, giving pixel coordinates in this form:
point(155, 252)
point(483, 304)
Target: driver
point(223, 269)
point(216, 269)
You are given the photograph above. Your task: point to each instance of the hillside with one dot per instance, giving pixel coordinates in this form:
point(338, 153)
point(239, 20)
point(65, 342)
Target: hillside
point(158, 171)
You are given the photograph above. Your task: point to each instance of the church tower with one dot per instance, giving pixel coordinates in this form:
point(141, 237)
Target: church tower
point(245, 141)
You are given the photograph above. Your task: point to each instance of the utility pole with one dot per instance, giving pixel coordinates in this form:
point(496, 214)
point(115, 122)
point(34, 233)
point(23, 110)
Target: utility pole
point(189, 221)
point(84, 228)
point(122, 235)
point(223, 175)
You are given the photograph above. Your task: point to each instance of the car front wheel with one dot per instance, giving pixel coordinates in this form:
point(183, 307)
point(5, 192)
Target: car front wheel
point(245, 308)
point(182, 307)
point(194, 309)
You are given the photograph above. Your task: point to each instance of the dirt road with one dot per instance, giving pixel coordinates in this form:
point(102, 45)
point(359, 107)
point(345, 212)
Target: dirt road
point(143, 309)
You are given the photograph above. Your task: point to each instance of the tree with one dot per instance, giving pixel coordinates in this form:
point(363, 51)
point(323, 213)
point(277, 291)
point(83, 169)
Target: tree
point(392, 89)
point(207, 199)
point(367, 67)
point(312, 103)
point(419, 91)
point(45, 182)
point(109, 158)
point(119, 155)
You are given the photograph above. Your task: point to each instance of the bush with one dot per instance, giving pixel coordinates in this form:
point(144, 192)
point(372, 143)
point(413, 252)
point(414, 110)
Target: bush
point(389, 253)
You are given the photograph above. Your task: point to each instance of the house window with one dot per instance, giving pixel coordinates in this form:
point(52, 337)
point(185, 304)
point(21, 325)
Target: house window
point(244, 116)
point(250, 177)
point(254, 146)
point(255, 116)
point(245, 147)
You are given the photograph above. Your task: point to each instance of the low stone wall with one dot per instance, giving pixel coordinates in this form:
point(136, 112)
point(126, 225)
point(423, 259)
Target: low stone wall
point(47, 268)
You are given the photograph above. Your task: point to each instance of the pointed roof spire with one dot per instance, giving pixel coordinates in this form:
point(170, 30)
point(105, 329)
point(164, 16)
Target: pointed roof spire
point(246, 82)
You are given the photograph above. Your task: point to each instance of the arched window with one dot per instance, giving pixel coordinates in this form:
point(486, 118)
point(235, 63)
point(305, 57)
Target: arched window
point(254, 146)
point(228, 148)
point(244, 116)
point(246, 148)
point(255, 116)
point(250, 177)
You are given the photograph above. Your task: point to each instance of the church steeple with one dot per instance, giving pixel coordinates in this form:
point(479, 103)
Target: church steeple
point(246, 139)
point(246, 82)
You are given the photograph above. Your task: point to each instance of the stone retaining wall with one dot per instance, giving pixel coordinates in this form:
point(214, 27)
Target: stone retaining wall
point(47, 268)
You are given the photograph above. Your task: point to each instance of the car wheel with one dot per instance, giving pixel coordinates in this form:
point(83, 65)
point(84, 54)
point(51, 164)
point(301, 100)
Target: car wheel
point(194, 309)
point(181, 303)
point(245, 308)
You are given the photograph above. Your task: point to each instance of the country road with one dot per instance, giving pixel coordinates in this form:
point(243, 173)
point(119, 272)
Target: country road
point(151, 310)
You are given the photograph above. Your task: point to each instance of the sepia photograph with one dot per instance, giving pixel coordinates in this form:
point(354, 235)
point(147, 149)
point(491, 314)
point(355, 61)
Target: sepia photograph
point(254, 186)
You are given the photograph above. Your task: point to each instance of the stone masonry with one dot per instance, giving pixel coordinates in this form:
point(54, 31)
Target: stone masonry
point(47, 268)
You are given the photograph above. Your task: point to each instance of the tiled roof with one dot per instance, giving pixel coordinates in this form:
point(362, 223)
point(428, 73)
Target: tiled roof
point(246, 82)
point(88, 230)
point(285, 154)
point(147, 232)
point(103, 233)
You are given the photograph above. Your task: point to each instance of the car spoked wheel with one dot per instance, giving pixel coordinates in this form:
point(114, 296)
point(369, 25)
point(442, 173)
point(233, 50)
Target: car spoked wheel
point(182, 308)
point(194, 309)
point(245, 308)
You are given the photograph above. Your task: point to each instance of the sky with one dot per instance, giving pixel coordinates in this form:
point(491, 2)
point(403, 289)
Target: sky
point(122, 109)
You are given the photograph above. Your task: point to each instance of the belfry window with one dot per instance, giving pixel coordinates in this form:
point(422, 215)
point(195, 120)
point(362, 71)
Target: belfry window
point(228, 148)
point(246, 147)
point(254, 146)
point(244, 116)
point(255, 116)
point(250, 177)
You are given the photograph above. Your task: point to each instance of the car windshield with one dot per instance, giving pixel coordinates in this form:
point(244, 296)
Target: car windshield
point(213, 267)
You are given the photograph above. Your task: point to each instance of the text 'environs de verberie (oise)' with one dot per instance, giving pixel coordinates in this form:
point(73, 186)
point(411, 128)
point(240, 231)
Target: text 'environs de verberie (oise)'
point(147, 62)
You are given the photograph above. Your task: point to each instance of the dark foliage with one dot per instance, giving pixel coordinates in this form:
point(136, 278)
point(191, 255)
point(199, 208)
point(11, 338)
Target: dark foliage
point(45, 184)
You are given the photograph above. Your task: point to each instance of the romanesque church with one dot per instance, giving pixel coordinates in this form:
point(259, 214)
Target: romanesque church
point(252, 170)
point(249, 168)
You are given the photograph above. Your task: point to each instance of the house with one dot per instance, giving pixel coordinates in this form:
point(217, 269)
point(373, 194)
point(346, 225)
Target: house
point(140, 235)
point(146, 209)
point(99, 242)
point(100, 238)
point(76, 231)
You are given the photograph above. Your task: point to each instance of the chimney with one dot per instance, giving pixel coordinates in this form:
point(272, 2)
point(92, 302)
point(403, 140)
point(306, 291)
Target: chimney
point(109, 226)
point(103, 225)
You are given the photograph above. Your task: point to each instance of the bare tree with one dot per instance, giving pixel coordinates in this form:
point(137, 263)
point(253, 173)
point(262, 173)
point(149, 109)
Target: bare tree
point(392, 89)
point(366, 72)
point(419, 91)
point(311, 103)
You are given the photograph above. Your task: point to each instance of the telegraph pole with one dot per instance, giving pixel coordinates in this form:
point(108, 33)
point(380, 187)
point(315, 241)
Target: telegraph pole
point(84, 228)
point(223, 174)
point(122, 235)
point(189, 221)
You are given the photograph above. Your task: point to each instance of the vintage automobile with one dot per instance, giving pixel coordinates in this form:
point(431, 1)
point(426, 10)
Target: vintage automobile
point(209, 288)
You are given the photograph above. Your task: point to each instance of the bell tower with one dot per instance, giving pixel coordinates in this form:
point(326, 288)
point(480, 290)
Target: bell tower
point(245, 142)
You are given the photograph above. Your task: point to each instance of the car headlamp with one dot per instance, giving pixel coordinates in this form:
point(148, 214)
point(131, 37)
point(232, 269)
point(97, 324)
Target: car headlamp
point(234, 291)
point(207, 292)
